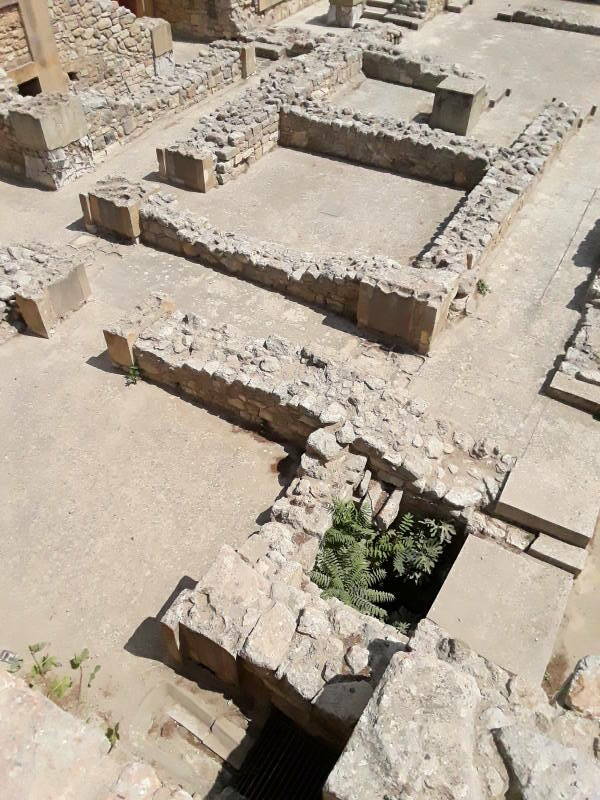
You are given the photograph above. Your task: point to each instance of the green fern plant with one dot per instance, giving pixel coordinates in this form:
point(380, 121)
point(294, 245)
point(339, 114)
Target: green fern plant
point(342, 568)
point(355, 559)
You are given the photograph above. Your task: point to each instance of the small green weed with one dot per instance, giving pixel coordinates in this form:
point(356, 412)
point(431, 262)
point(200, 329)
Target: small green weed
point(113, 735)
point(133, 375)
point(482, 287)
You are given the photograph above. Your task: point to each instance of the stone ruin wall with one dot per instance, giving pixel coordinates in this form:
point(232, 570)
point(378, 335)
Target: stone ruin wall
point(14, 48)
point(203, 20)
point(103, 42)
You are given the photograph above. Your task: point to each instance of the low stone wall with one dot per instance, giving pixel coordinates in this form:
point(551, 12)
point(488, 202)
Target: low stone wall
point(39, 286)
point(577, 380)
point(397, 302)
point(478, 224)
point(259, 623)
point(293, 391)
point(50, 140)
point(407, 148)
point(114, 117)
point(394, 64)
point(575, 21)
point(227, 141)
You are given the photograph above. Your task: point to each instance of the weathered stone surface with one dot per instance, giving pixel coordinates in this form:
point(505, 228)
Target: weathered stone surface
point(583, 691)
point(268, 642)
point(561, 554)
point(415, 737)
point(497, 602)
point(541, 769)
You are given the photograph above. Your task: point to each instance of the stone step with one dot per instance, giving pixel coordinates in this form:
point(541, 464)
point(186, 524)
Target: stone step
point(575, 392)
point(554, 485)
point(374, 13)
point(456, 6)
point(566, 556)
point(413, 23)
point(380, 4)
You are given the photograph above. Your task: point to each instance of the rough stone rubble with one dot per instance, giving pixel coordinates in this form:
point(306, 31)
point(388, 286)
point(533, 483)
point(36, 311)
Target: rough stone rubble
point(486, 734)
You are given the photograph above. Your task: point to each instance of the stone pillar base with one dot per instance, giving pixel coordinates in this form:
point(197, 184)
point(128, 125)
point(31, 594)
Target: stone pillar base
point(345, 15)
point(43, 310)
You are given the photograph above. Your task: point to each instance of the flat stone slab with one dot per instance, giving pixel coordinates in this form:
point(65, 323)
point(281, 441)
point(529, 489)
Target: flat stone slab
point(560, 554)
point(554, 486)
point(575, 392)
point(505, 605)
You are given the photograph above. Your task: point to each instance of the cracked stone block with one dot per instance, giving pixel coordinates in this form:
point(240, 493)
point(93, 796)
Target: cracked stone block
point(193, 170)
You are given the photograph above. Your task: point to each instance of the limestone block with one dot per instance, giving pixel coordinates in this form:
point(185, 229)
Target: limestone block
point(268, 642)
point(44, 307)
point(248, 59)
point(561, 554)
point(113, 206)
point(160, 35)
point(422, 706)
point(458, 104)
point(194, 170)
point(49, 126)
point(583, 691)
point(497, 601)
point(542, 769)
point(345, 14)
point(121, 337)
point(553, 488)
point(578, 393)
point(415, 319)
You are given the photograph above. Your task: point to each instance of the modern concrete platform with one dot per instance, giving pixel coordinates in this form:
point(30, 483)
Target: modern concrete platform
point(505, 605)
point(553, 487)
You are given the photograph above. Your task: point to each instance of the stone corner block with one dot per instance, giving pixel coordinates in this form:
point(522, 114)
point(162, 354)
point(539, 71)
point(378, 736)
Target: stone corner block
point(121, 337)
point(43, 308)
point(55, 124)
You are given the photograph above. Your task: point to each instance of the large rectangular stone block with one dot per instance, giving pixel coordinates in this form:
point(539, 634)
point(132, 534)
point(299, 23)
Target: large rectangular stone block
point(506, 606)
point(51, 125)
point(458, 104)
point(43, 309)
point(195, 171)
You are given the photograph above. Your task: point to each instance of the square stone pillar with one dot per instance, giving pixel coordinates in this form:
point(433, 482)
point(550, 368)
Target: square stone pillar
point(248, 59)
point(458, 104)
point(345, 13)
point(42, 45)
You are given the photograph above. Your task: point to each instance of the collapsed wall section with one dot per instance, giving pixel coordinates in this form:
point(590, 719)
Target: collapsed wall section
point(577, 380)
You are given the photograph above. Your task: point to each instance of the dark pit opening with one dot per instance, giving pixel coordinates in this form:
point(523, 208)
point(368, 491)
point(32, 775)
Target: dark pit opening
point(30, 88)
point(73, 76)
point(285, 763)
